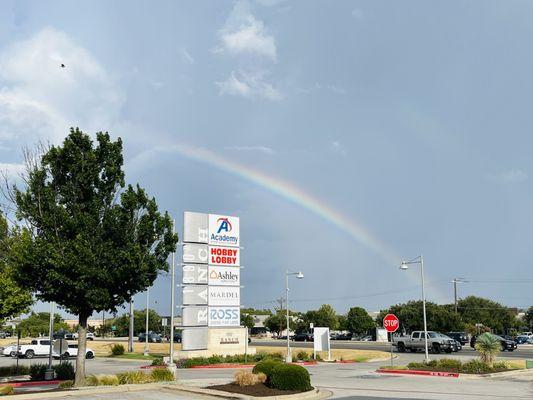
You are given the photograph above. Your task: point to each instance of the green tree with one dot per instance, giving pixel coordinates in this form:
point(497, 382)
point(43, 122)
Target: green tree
point(14, 300)
point(92, 243)
point(477, 310)
point(122, 323)
point(247, 320)
point(325, 316)
point(528, 318)
point(358, 321)
point(253, 311)
point(343, 322)
point(439, 317)
point(278, 322)
point(39, 324)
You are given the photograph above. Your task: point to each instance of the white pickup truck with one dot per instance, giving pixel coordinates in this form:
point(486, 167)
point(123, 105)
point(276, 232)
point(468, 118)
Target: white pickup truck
point(37, 347)
point(437, 342)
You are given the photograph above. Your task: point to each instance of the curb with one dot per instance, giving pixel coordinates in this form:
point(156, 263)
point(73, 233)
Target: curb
point(32, 383)
point(421, 373)
point(222, 366)
point(315, 394)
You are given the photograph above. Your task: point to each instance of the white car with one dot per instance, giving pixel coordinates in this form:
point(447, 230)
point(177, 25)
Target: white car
point(10, 350)
point(72, 351)
point(90, 336)
point(37, 347)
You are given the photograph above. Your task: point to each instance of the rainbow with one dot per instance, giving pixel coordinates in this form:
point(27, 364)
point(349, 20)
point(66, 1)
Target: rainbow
point(289, 192)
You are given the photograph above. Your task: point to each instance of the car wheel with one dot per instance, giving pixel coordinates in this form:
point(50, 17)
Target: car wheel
point(412, 350)
point(13, 354)
point(401, 347)
point(89, 355)
point(66, 354)
point(448, 351)
point(436, 348)
point(503, 348)
point(29, 354)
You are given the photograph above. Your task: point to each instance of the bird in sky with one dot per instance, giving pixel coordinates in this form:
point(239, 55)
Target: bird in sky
point(62, 65)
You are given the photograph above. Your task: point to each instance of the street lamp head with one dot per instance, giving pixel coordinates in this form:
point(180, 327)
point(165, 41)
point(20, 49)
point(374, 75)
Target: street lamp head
point(404, 266)
point(299, 275)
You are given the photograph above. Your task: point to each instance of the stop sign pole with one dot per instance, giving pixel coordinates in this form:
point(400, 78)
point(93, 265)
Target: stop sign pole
point(391, 323)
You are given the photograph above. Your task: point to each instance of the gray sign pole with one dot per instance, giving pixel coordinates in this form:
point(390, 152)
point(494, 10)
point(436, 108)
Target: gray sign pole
point(171, 365)
point(49, 374)
point(130, 333)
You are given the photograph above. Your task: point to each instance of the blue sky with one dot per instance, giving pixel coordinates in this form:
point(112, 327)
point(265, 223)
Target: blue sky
point(410, 119)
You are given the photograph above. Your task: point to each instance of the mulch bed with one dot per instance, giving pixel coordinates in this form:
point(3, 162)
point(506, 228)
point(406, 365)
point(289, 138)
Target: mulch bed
point(255, 390)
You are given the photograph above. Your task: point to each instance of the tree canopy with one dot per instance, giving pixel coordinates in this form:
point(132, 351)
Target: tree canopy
point(90, 243)
point(39, 324)
point(358, 321)
point(14, 300)
point(477, 310)
point(122, 323)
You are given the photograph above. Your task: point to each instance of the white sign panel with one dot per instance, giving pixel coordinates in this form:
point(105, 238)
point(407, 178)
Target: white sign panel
point(224, 296)
point(194, 316)
point(194, 274)
point(194, 339)
point(195, 227)
point(224, 276)
point(195, 253)
point(223, 230)
point(194, 295)
point(229, 256)
point(224, 316)
point(321, 339)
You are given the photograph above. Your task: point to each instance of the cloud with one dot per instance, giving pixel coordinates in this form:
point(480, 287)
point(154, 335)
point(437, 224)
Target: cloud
point(245, 34)
point(186, 56)
point(249, 85)
point(11, 170)
point(357, 13)
point(510, 176)
point(337, 147)
point(39, 100)
point(261, 149)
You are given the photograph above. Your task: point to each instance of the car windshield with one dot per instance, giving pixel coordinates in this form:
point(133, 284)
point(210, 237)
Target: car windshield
point(433, 335)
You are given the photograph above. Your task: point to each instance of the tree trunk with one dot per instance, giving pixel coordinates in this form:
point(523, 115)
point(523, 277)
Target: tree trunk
point(79, 379)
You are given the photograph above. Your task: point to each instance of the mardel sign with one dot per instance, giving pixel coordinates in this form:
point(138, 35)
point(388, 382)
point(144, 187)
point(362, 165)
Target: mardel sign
point(230, 256)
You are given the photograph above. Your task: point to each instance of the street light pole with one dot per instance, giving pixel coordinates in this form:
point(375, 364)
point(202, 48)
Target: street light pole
point(298, 275)
point(171, 365)
point(404, 266)
point(146, 351)
point(49, 374)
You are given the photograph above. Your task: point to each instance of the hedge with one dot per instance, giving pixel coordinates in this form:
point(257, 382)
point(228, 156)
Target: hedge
point(290, 377)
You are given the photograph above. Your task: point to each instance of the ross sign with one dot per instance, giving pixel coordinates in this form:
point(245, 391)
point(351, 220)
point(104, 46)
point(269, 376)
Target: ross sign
point(194, 295)
point(224, 276)
point(195, 253)
point(391, 323)
point(224, 296)
point(195, 227)
point(194, 316)
point(223, 230)
point(194, 274)
point(229, 256)
point(224, 316)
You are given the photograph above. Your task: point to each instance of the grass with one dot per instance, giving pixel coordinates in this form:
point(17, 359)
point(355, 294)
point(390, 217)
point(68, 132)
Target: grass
point(336, 354)
point(140, 356)
point(394, 367)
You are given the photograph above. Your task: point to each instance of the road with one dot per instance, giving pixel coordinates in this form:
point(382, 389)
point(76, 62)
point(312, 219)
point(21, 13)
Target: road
point(523, 351)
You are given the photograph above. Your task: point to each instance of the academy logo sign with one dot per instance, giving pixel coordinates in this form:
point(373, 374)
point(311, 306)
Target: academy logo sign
point(224, 276)
point(223, 230)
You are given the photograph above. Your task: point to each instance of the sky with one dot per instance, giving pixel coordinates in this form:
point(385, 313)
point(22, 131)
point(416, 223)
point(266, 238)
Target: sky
point(346, 135)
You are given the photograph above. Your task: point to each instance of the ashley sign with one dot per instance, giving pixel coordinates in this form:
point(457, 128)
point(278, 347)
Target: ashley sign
point(224, 276)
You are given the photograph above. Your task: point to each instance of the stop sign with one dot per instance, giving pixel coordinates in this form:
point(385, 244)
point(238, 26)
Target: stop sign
point(391, 323)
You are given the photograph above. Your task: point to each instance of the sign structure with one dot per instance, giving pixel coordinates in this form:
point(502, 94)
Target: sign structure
point(391, 323)
point(321, 341)
point(211, 266)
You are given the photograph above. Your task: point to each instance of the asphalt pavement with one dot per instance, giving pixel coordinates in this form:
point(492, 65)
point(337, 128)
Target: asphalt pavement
point(523, 351)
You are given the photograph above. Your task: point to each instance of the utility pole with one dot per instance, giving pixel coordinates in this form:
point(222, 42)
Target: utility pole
point(455, 281)
point(130, 335)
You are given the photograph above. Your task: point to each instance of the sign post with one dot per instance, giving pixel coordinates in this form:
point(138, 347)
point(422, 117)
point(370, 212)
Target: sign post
point(391, 323)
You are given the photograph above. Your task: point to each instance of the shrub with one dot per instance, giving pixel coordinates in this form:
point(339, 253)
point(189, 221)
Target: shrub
point(12, 370)
point(488, 346)
point(261, 378)
point(64, 371)
point(134, 377)
point(245, 378)
point(266, 367)
point(475, 367)
point(432, 363)
point(499, 365)
point(416, 365)
point(37, 371)
point(449, 364)
point(157, 361)
point(290, 377)
point(117, 349)
point(6, 390)
point(66, 384)
point(102, 380)
point(303, 356)
point(162, 375)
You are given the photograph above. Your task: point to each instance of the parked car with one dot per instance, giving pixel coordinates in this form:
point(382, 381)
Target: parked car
point(152, 337)
point(461, 337)
point(70, 336)
point(509, 345)
point(177, 337)
point(72, 351)
point(367, 338)
point(4, 335)
point(303, 337)
point(437, 342)
point(522, 339)
point(341, 336)
point(37, 347)
point(10, 350)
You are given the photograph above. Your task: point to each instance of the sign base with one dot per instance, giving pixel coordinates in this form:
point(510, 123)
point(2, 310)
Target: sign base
point(222, 342)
